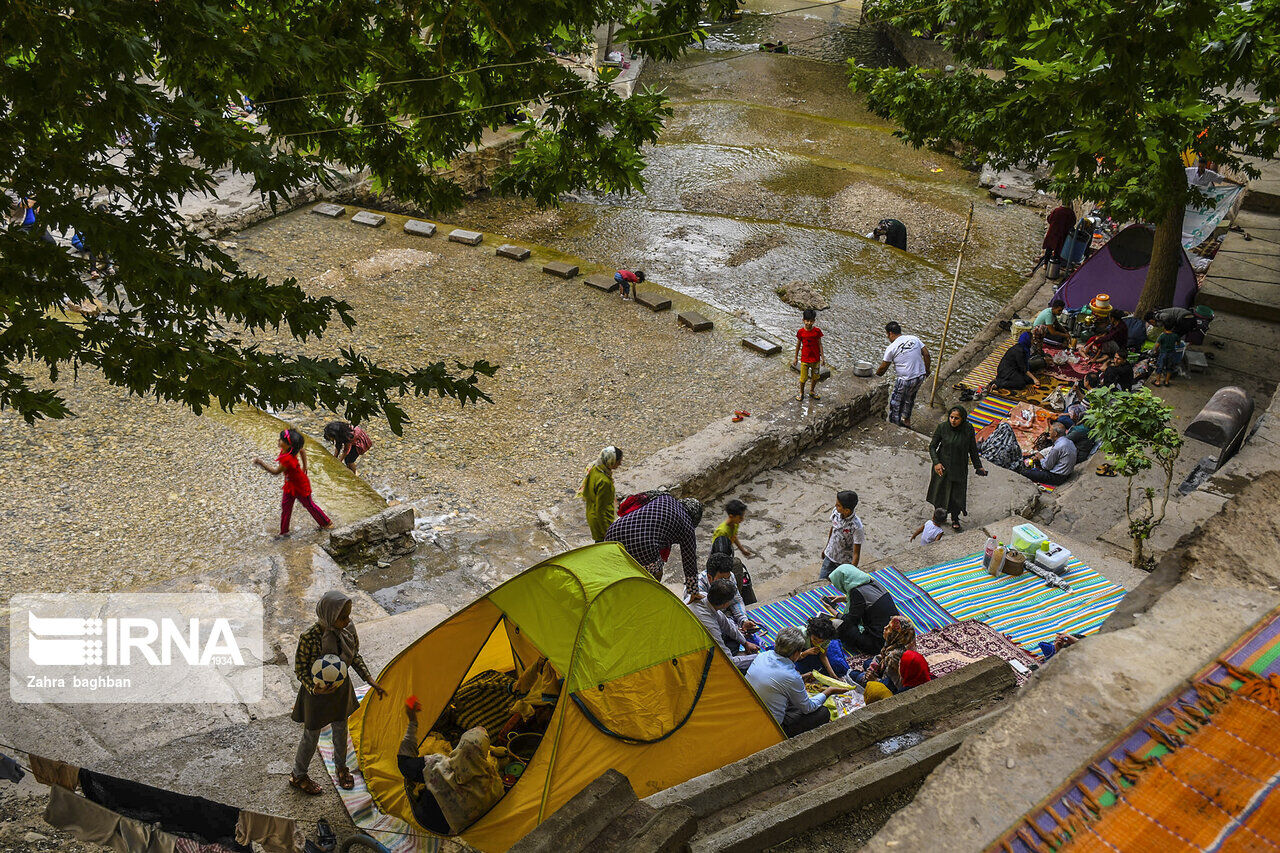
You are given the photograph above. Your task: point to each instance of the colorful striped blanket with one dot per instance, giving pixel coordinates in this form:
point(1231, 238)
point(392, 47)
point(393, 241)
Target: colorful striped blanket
point(797, 609)
point(1023, 608)
point(985, 373)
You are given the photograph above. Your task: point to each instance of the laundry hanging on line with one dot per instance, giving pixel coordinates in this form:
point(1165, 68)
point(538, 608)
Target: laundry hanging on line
point(177, 814)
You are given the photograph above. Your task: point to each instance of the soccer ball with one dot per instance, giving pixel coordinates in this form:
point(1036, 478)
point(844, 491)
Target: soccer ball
point(328, 671)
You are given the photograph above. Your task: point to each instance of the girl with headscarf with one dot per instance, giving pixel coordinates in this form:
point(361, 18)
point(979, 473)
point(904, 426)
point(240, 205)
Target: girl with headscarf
point(913, 670)
point(598, 493)
point(868, 612)
point(448, 793)
point(1014, 371)
point(317, 707)
point(899, 636)
point(953, 446)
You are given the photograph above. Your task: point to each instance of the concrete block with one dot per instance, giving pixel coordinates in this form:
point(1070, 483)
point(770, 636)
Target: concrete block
point(461, 235)
point(602, 282)
point(515, 253)
point(824, 372)
point(653, 303)
point(694, 320)
point(398, 519)
point(573, 827)
point(369, 218)
point(814, 807)
point(764, 346)
point(418, 228)
point(560, 269)
point(668, 831)
point(333, 211)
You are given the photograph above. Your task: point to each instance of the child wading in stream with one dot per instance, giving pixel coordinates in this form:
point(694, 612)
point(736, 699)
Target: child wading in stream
point(292, 462)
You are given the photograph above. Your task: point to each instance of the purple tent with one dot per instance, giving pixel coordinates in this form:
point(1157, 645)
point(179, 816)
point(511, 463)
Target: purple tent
point(1119, 268)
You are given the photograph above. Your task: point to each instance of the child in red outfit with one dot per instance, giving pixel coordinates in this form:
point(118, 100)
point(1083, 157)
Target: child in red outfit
point(809, 356)
point(297, 487)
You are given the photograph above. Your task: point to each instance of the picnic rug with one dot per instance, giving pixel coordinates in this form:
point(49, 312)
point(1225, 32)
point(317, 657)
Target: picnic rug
point(959, 644)
point(1023, 608)
point(796, 610)
point(985, 373)
point(1199, 772)
point(389, 831)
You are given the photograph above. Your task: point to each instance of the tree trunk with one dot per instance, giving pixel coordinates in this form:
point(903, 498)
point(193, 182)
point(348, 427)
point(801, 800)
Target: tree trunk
point(1166, 252)
point(1136, 558)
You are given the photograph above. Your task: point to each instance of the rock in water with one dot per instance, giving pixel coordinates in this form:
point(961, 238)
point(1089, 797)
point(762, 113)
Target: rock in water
point(797, 294)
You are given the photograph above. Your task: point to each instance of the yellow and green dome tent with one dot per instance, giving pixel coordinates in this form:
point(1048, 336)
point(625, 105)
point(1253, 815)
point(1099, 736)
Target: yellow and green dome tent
point(646, 690)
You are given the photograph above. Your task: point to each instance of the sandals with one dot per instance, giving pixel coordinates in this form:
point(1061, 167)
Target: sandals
point(799, 398)
point(1107, 470)
point(345, 780)
point(814, 395)
point(306, 785)
point(955, 525)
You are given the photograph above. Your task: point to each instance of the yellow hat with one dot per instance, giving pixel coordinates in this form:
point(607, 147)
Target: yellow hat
point(875, 691)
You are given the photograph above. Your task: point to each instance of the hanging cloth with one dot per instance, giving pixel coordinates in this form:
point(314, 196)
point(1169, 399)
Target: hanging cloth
point(275, 834)
point(49, 771)
point(10, 770)
point(177, 814)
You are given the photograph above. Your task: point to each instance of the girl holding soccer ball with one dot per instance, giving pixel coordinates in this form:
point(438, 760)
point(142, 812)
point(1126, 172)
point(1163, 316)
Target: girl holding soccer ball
point(326, 698)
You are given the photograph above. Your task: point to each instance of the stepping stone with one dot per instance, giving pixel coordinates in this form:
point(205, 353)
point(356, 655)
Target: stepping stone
point(333, 211)
point(823, 372)
point(368, 217)
point(560, 269)
point(602, 282)
point(694, 321)
point(461, 235)
point(764, 346)
point(418, 228)
point(1196, 361)
point(515, 253)
point(653, 303)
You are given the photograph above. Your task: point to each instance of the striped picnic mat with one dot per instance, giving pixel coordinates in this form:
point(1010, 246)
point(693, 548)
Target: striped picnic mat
point(985, 373)
point(990, 410)
point(796, 610)
point(389, 831)
point(1023, 608)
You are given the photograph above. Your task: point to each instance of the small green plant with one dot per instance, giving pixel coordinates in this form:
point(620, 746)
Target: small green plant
point(1134, 430)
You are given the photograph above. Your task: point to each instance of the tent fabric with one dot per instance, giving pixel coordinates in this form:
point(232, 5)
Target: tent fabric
point(646, 692)
point(1119, 268)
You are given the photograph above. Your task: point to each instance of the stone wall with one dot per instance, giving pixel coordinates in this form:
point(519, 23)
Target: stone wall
point(378, 538)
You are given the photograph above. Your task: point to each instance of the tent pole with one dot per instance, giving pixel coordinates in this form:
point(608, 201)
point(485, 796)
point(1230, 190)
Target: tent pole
point(955, 283)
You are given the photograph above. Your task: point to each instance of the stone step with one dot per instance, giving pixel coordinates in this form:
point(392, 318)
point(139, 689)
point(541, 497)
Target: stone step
point(560, 269)
point(653, 302)
point(764, 346)
point(333, 211)
point(601, 281)
point(694, 321)
point(369, 218)
point(461, 235)
point(515, 253)
point(419, 228)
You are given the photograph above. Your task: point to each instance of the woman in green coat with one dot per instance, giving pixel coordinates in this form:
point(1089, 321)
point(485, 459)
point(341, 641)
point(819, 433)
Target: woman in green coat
point(951, 448)
point(598, 493)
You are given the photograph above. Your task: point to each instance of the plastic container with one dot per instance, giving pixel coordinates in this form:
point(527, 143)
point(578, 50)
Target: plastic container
point(1055, 559)
point(1027, 539)
point(991, 549)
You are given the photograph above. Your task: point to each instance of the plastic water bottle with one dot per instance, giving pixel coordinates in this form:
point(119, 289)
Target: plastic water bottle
point(991, 549)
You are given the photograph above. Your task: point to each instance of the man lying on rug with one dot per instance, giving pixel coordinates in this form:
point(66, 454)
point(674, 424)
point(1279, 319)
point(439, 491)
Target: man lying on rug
point(1053, 465)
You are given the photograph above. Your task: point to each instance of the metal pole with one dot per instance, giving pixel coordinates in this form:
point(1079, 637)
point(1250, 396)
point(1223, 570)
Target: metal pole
point(955, 283)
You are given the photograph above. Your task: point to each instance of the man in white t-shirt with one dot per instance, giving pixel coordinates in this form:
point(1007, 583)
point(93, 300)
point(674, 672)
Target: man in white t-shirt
point(910, 360)
point(1205, 178)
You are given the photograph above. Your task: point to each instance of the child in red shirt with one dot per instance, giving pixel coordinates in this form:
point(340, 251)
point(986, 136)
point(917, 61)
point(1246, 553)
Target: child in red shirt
point(809, 354)
point(297, 487)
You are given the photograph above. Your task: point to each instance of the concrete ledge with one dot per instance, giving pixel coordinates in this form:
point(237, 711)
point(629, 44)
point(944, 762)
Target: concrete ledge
point(369, 218)
point(385, 535)
point(724, 453)
point(715, 791)
point(332, 211)
point(461, 235)
point(812, 808)
point(764, 346)
point(515, 253)
point(560, 269)
point(575, 825)
point(601, 282)
point(419, 228)
point(654, 303)
point(668, 831)
point(694, 321)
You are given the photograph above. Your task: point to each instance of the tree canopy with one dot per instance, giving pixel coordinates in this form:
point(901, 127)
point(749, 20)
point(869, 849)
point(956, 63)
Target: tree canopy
point(111, 112)
point(1108, 94)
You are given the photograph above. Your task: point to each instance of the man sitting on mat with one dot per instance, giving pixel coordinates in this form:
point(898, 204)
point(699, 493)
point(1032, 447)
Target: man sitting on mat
point(1055, 462)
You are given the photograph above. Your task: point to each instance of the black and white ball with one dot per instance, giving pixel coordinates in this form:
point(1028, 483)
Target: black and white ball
point(328, 671)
